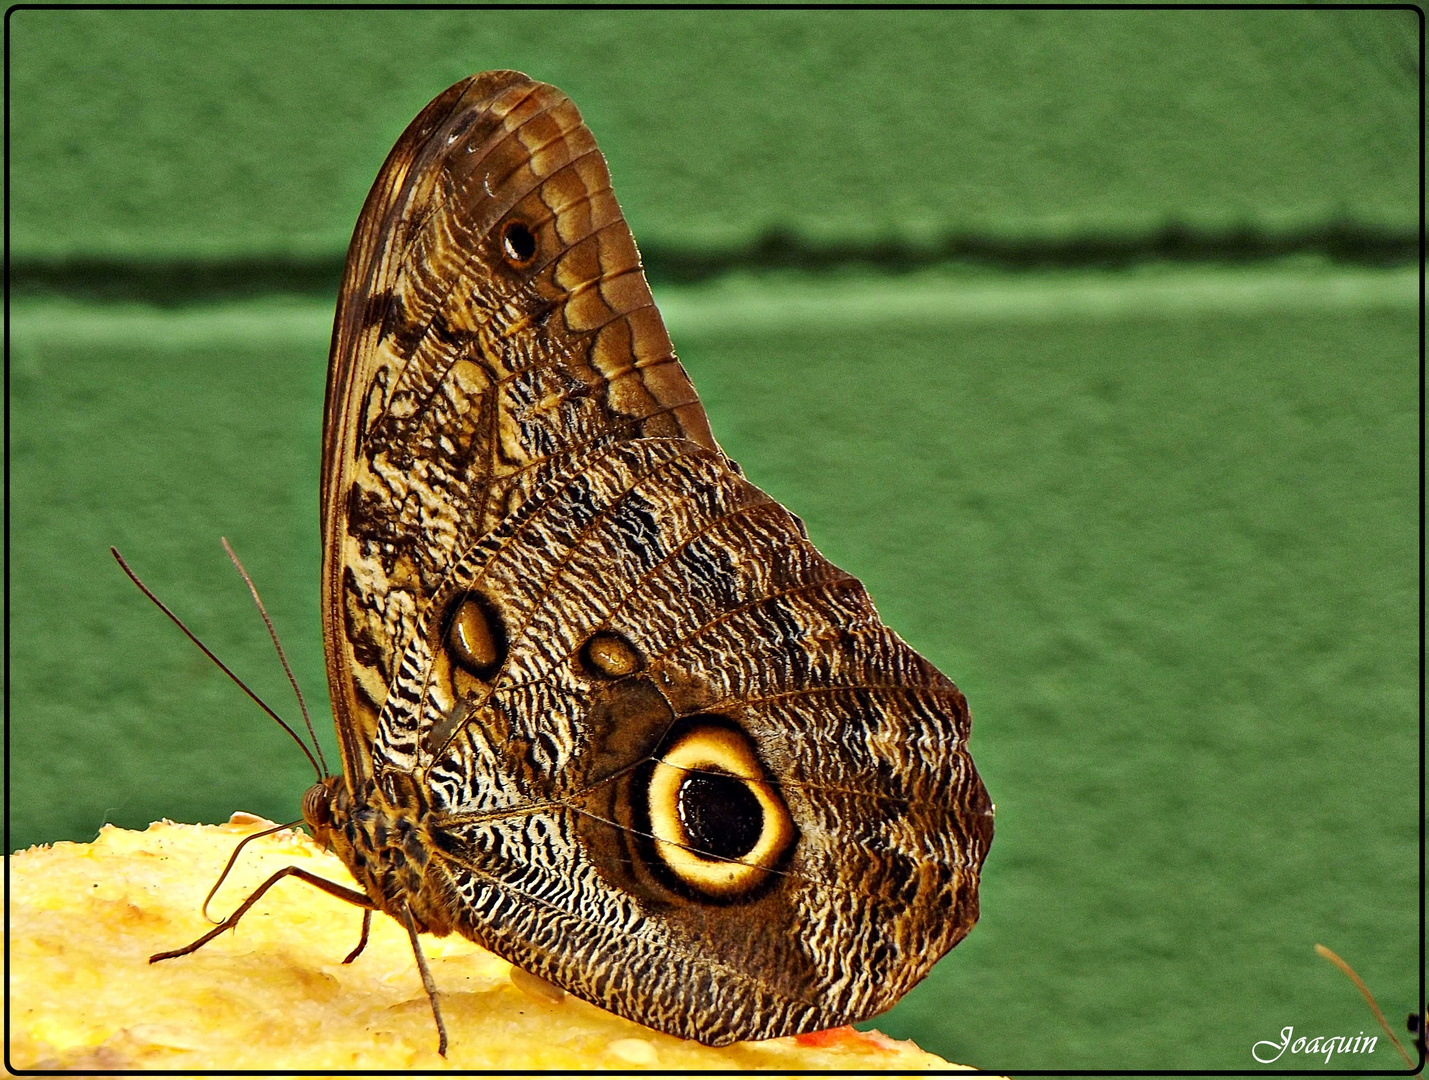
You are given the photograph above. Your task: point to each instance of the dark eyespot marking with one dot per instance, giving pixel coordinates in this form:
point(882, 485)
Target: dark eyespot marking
point(518, 244)
point(721, 815)
point(609, 655)
point(475, 638)
point(718, 826)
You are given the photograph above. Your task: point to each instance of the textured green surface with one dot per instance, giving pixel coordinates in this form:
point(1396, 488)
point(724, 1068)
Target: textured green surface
point(1170, 557)
point(1160, 525)
point(172, 134)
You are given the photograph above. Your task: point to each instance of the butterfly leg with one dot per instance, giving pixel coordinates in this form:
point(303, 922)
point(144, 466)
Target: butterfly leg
point(362, 942)
point(428, 983)
point(352, 896)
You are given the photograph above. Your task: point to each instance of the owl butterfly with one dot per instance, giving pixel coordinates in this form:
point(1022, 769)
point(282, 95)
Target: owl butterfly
point(602, 706)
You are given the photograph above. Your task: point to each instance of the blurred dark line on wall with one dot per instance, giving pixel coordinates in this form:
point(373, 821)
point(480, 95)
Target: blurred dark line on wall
point(1353, 244)
point(184, 281)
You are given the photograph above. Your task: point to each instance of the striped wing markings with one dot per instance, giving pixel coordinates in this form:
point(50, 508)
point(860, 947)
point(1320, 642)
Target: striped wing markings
point(516, 536)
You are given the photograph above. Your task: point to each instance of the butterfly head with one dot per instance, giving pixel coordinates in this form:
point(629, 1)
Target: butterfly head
point(320, 805)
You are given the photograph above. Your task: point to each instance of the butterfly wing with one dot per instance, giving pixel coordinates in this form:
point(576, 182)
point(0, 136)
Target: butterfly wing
point(666, 755)
point(493, 314)
point(651, 607)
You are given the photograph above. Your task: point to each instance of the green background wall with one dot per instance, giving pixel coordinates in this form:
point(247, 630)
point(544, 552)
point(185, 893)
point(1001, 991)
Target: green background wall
point(1087, 339)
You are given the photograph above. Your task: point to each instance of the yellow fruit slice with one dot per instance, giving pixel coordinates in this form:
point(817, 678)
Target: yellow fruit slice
point(274, 993)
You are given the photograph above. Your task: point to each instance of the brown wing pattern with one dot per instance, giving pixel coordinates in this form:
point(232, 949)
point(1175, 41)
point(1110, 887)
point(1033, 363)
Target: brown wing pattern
point(603, 706)
point(490, 247)
point(735, 618)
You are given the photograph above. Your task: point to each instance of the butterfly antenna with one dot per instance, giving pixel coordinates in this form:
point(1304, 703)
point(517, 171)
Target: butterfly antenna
point(234, 858)
point(221, 665)
point(282, 657)
point(1329, 955)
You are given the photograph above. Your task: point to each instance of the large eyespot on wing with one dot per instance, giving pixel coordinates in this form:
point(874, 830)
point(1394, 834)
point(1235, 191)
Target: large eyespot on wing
point(758, 811)
point(494, 324)
point(715, 825)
